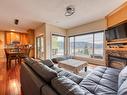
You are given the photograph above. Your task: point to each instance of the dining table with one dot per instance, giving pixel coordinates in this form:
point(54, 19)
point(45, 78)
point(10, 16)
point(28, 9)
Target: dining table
point(13, 54)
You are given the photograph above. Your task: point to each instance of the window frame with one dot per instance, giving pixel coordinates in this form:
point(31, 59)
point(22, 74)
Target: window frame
point(57, 35)
point(103, 44)
point(69, 45)
point(93, 33)
point(36, 46)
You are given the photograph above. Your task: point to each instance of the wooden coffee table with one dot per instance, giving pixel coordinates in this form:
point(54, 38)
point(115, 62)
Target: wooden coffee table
point(73, 65)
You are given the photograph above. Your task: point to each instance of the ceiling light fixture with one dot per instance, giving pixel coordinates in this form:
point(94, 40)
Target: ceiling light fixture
point(70, 10)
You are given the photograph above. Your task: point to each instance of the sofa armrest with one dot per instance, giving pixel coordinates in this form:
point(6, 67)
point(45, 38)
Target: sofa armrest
point(65, 86)
point(47, 90)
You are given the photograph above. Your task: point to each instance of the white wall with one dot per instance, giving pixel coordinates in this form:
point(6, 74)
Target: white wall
point(87, 28)
point(40, 30)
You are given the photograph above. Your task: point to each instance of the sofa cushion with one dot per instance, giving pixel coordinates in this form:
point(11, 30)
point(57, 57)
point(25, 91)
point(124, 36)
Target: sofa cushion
point(122, 76)
point(108, 70)
point(101, 81)
point(94, 86)
point(71, 76)
point(123, 88)
point(44, 72)
point(65, 86)
point(47, 62)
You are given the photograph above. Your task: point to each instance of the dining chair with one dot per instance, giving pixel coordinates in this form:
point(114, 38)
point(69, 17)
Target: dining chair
point(10, 57)
point(25, 53)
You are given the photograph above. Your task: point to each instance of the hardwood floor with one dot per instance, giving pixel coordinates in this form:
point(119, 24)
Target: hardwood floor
point(10, 79)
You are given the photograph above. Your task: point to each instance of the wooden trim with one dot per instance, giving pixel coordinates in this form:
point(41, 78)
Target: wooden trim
point(118, 16)
point(117, 9)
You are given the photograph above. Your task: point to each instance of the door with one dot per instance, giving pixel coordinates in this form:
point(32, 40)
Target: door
point(40, 47)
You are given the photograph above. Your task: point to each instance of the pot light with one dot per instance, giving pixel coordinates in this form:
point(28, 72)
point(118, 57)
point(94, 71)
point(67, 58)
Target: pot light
point(12, 30)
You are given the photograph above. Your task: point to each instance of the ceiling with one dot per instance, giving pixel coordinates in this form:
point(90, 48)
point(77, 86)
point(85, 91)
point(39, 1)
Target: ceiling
point(31, 13)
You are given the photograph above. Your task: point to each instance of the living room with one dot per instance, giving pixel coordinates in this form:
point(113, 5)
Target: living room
point(63, 47)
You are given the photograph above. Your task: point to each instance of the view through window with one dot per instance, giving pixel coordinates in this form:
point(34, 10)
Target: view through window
point(57, 46)
point(71, 49)
point(87, 45)
point(40, 47)
point(84, 45)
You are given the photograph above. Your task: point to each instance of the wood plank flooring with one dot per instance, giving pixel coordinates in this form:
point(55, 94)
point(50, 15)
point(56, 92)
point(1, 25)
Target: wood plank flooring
point(10, 79)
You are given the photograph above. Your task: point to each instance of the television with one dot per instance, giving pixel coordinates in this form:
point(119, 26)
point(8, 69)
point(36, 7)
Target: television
point(118, 32)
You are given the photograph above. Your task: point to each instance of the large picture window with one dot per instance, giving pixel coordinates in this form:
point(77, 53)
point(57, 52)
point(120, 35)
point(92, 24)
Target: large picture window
point(87, 45)
point(57, 46)
point(84, 45)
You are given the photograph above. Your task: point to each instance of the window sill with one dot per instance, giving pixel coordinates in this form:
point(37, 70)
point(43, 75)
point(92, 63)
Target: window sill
point(91, 60)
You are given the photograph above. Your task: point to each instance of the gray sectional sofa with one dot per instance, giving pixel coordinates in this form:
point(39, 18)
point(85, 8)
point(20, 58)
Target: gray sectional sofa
point(43, 78)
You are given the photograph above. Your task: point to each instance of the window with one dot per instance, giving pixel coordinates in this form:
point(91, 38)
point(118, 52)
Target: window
point(98, 45)
point(57, 46)
point(84, 45)
point(87, 45)
point(71, 49)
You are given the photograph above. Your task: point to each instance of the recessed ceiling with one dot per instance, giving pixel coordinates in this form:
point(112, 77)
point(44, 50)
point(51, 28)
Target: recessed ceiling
point(31, 13)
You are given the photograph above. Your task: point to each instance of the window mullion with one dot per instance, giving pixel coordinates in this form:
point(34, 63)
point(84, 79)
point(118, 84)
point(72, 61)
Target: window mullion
point(74, 46)
point(93, 44)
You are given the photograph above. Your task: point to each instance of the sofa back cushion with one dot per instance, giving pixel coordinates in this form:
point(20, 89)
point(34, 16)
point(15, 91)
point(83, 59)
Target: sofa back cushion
point(44, 72)
point(47, 62)
point(65, 86)
point(122, 76)
point(29, 61)
point(57, 59)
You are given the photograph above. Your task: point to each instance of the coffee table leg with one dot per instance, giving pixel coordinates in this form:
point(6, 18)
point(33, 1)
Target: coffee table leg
point(76, 71)
point(85, 68)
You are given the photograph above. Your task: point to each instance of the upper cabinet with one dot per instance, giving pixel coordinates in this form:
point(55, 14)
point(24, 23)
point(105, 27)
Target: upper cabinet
point(11, 37)
point(117, 16)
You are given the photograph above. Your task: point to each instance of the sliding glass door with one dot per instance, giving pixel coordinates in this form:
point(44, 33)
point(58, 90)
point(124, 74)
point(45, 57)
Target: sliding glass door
point(40, 47)
point(57, 46)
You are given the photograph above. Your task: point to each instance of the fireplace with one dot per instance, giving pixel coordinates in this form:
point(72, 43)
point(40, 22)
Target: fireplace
point(116, 58)
point(117, 62)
